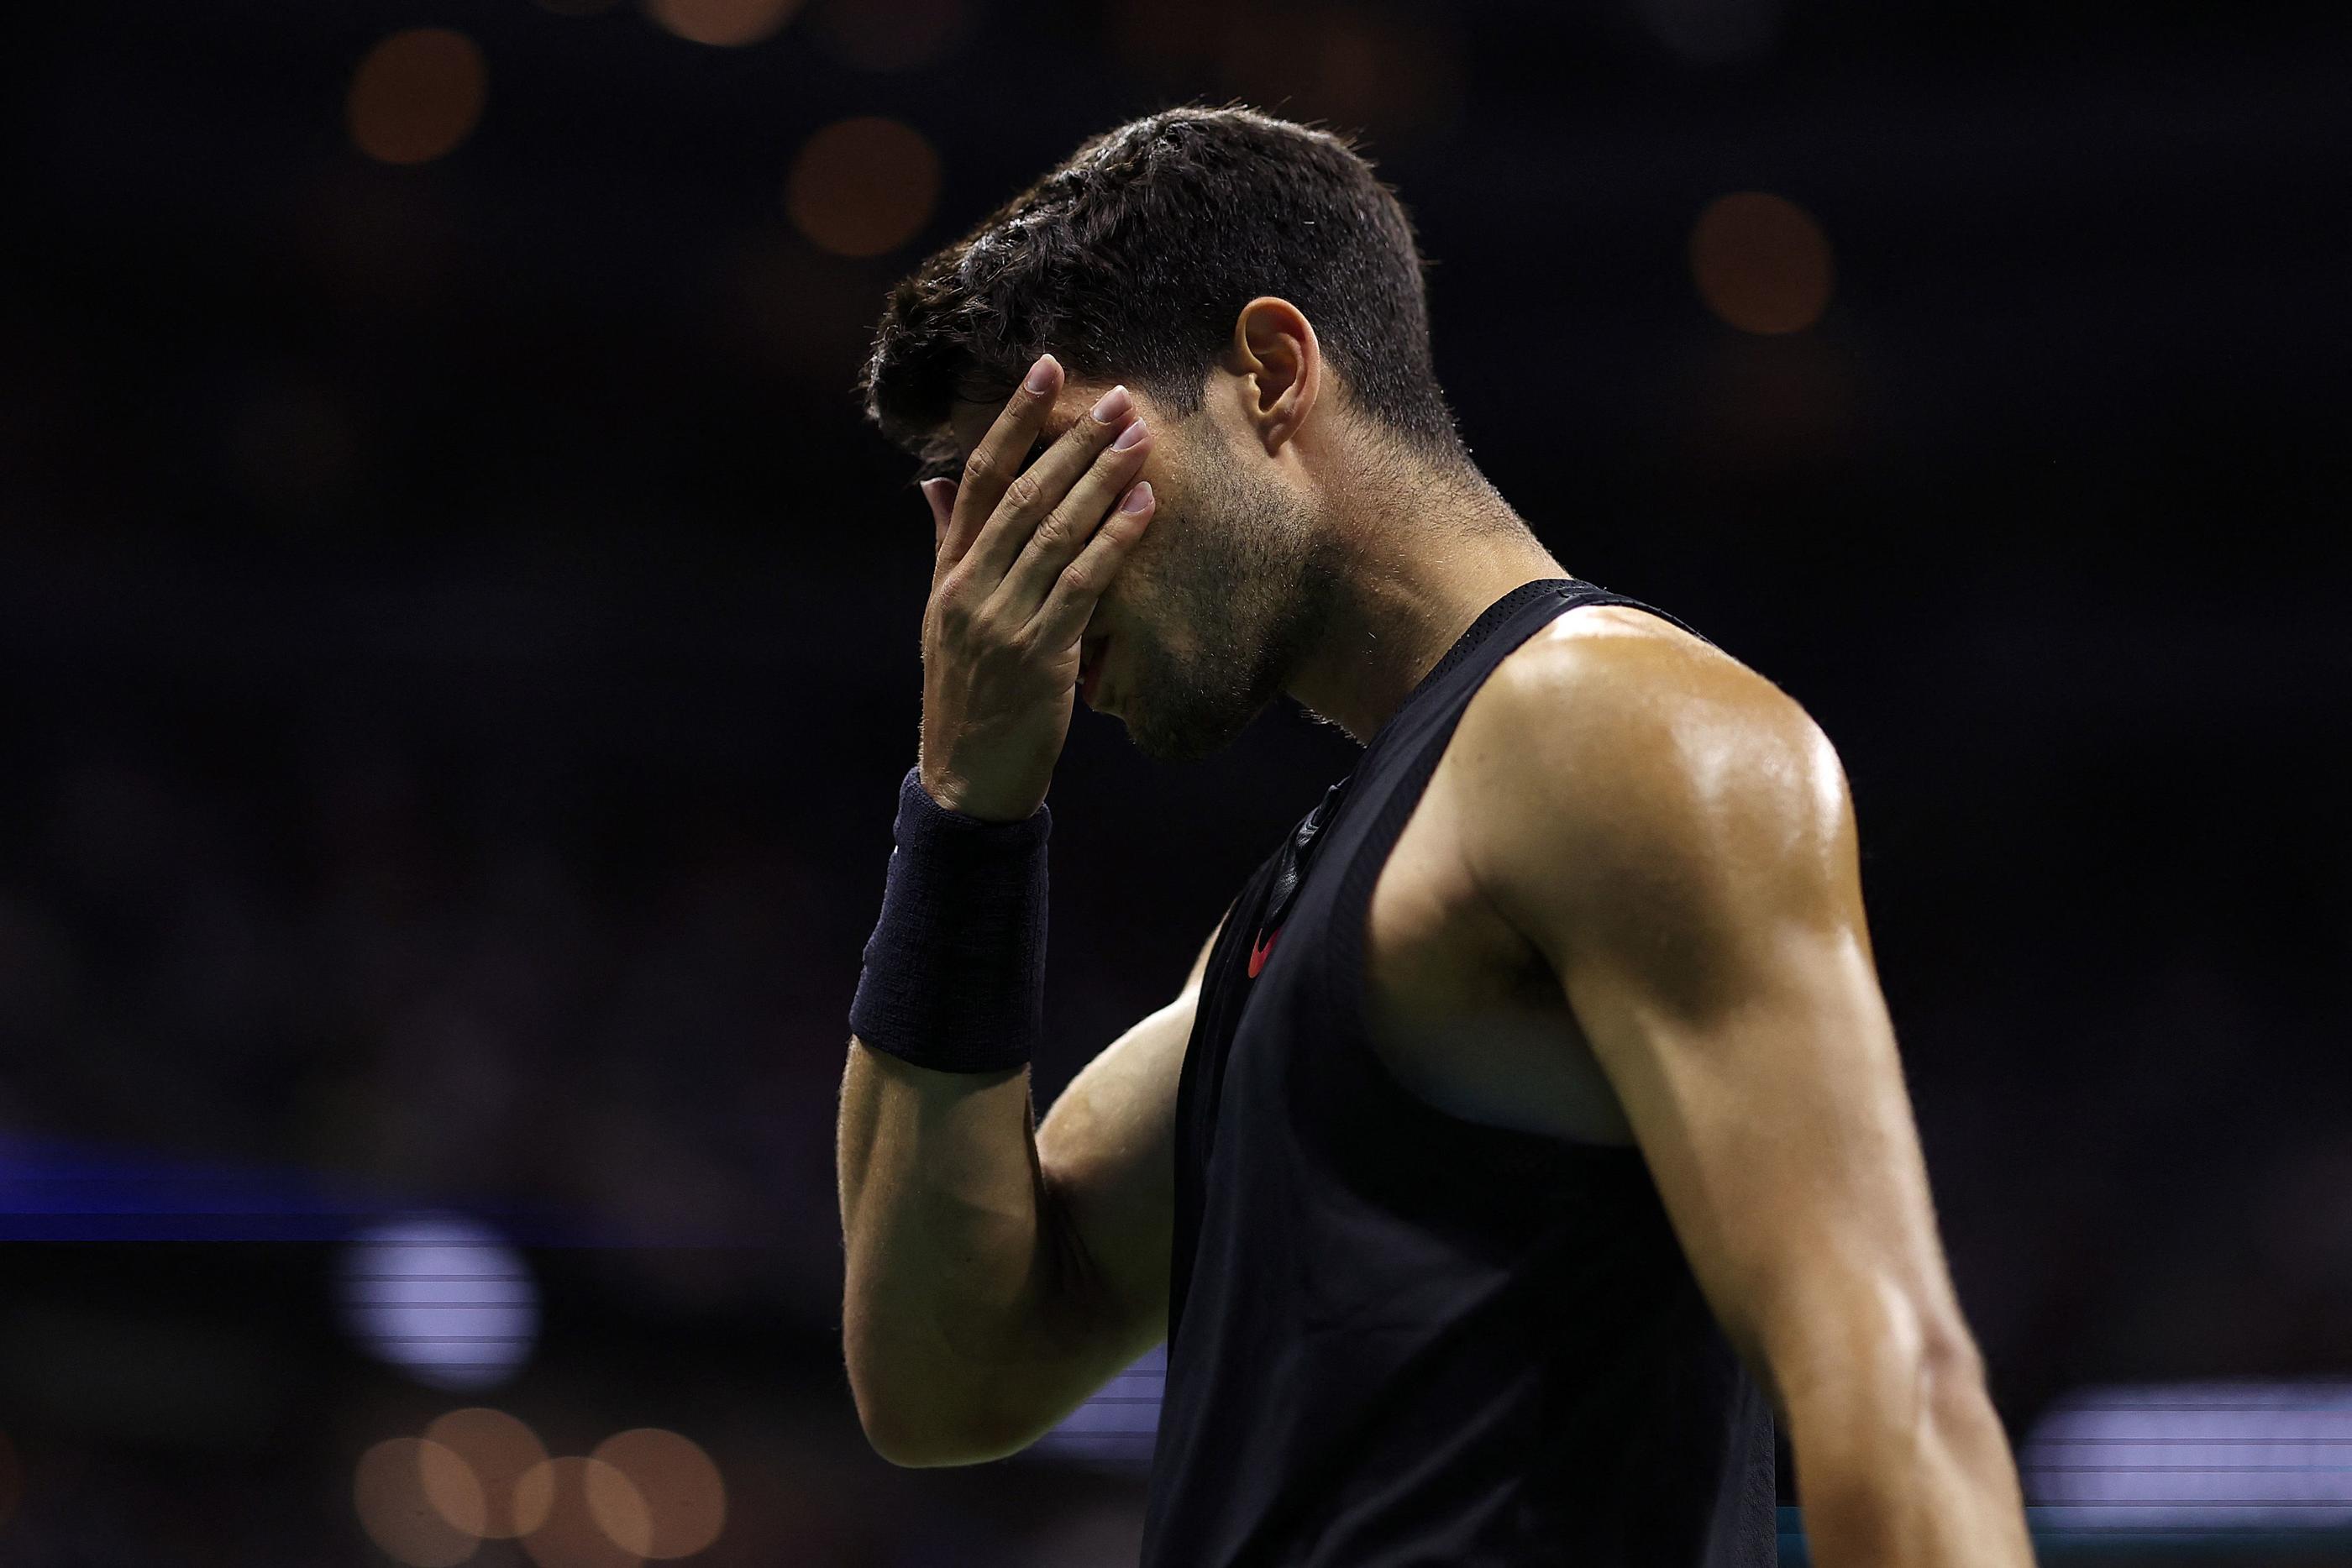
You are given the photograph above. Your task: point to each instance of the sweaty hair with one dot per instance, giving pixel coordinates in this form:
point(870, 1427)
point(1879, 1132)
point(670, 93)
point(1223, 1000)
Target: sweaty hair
point(1132, 260)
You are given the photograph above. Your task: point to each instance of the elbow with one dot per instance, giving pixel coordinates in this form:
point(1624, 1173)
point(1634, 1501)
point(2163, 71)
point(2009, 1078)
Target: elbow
point(1927, 1377)
point(911, 1444)
point(907, 1431)
point(1951, 1376)
point(923, 1441)
point(1890, 1359)
point(905, 1434)
point(917, 1431)
point(1903, 1463)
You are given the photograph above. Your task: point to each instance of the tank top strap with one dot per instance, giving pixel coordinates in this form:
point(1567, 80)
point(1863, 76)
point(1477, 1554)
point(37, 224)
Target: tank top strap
point(1529, 606)
point(1397, 765)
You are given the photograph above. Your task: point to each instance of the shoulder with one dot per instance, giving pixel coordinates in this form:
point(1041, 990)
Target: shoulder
point(1616, 770)
point(1610, 708)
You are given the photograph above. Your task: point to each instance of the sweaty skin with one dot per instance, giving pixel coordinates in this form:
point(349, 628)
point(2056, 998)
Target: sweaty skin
point(1644, 842)
point(1672, 836)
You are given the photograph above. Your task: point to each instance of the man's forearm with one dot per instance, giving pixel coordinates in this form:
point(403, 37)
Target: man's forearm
point(1908, 1468)
point(941, 1225)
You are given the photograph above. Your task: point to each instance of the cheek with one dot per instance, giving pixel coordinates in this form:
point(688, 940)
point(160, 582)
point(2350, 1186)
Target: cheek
point(1153, 544)
point(1156, 560)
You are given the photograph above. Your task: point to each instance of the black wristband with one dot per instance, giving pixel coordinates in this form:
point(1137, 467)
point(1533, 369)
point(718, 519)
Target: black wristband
point(955, 971)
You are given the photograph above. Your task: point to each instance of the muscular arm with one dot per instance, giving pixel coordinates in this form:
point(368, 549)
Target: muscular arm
point(1676, 837)
point(999, 1271)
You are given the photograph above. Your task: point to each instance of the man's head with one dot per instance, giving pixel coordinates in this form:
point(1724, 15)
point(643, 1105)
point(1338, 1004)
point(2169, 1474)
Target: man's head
point(1259, 291)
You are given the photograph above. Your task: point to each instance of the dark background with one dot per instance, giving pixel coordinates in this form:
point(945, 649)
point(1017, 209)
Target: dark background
point(458, 645)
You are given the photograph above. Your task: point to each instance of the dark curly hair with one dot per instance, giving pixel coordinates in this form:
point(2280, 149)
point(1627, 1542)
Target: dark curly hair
point(1132, 260)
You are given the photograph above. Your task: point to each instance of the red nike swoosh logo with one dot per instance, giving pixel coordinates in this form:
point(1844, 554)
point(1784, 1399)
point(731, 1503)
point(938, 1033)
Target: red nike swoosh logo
point(1261, 949)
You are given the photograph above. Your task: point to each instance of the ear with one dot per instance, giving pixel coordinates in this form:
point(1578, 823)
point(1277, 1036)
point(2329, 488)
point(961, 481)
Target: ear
point(1280, 366)
point(940, 494)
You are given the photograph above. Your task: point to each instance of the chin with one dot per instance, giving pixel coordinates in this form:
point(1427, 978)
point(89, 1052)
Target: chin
point(1187, 742)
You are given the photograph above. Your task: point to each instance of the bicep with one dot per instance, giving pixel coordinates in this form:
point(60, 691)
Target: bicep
point(1680, 843)
point(1781, 1137)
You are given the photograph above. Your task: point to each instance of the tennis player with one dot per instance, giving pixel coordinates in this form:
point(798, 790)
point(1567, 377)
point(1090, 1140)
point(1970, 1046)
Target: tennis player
point(1530, 1131)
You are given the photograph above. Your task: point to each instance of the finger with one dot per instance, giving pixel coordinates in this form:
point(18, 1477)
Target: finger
point(1057, 541)
point(1064, 616)
point(940, 495)
point(1038, 490)
point(996, 461)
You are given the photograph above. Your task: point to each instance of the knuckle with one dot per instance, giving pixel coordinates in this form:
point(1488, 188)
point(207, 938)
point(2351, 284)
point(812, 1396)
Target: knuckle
point(1052, 534)
point(978, 467)
point(1004, 660)
point(1022, 493)
point(1080, 577)
point(953, 604)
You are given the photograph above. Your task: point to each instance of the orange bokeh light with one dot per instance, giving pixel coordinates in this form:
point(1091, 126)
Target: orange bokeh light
point(584, 1493)
point(507, 1467)
point(676, 1504)
point(419, 1502)
point(723, 24)
point(417, 95)
point(1761, 263)
point(861, 187)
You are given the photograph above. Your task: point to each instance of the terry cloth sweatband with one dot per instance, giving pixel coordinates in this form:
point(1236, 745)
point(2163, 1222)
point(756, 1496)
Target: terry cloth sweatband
point(955, 972)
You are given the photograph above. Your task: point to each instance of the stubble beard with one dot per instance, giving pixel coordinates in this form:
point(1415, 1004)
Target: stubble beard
point(1237, 598)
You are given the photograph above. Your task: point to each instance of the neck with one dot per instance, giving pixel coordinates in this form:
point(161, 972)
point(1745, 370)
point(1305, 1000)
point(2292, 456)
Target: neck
point(1425, 556)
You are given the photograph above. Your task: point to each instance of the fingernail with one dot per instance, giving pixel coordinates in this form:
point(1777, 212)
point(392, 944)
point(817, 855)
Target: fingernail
point(1040, 375)
point(1138, 498)
point(1114, 403)
point(1131, 436)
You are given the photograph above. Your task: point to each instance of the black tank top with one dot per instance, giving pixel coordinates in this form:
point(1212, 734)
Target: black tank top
point(1396, 1337)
